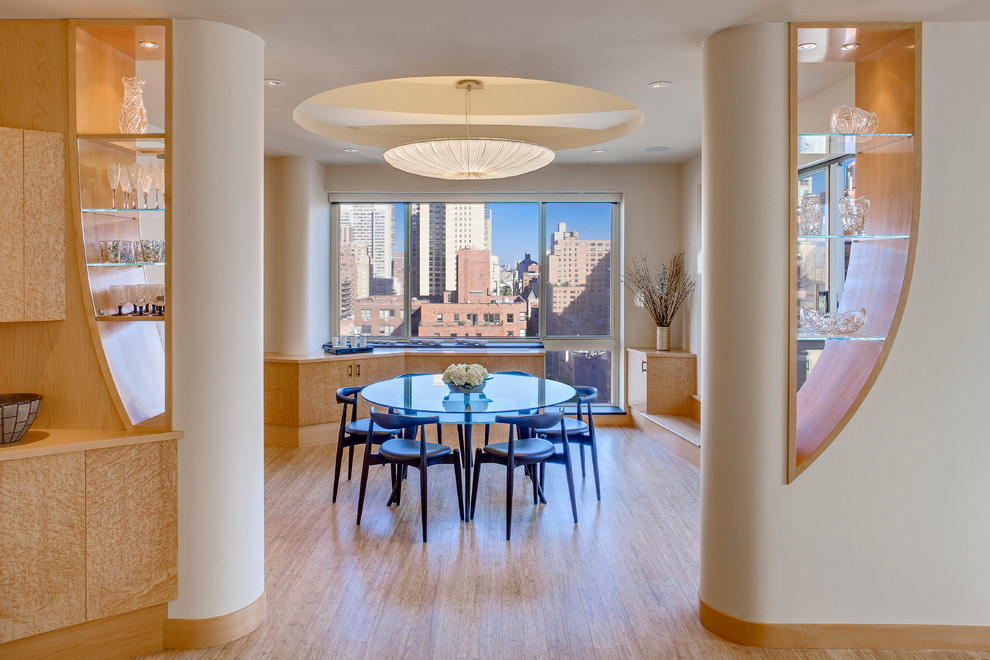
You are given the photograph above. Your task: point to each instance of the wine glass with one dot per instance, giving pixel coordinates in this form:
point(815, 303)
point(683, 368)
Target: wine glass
point(138, 296)
point(158, 298)
point(158, 179)
point(119, 294)
point(126, 184)
point(113, 176)
point(133, 173)
point(144, 176)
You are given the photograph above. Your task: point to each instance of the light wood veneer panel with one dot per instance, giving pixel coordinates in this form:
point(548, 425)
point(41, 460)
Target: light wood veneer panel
point(281, 393)
point(11, 224)
point(33, 67)
point(42, 544)
point(131, 528)
point(99, 68)
point(44, 226)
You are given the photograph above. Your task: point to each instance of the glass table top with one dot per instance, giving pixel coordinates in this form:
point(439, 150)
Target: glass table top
point(428, 395)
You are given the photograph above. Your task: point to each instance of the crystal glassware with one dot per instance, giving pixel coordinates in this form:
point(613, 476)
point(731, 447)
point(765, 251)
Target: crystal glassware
point(125, 250)
point(133, 116)
point(840, 323)
point(113, 177)
point(138, 296)
point(126, 184)
point(158, 298)
point(119, 294)
point(853, 211)
point(810, 220)
point(158, 179)
point(109, 252)
point(134, 174)
point(144, 177)
point(851, 120)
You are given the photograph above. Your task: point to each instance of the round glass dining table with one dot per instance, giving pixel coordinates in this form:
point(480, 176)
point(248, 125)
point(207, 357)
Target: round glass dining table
point(428, 395)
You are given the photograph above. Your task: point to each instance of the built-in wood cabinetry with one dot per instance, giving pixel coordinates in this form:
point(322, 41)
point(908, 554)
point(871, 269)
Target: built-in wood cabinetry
point(89, 528)
point(32, 225)
point(662, 382)
point(876, 266)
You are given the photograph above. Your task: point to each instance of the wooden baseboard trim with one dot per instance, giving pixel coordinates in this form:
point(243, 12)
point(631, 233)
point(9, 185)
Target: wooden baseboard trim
point(843, 635)
point(115, 637)
point(311, 435)
point(217, 630)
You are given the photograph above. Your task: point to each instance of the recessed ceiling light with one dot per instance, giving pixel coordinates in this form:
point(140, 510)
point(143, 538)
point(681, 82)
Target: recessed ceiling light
point(806, 46)
point(850, 46)
point(597, 151)
point(657, 84)
point(657, 149)
point(350, 150)
point(150, 45)
point(273, 82)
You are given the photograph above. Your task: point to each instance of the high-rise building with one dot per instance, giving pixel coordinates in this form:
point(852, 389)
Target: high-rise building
point(579, 283)
point(371, 226)
point(439, 230)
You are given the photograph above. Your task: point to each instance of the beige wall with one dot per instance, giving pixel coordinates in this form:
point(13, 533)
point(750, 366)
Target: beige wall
point(690, 315)
point(890, 524)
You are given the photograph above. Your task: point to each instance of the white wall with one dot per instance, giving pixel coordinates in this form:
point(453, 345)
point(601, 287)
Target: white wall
point(691, 213)
point(891, 523)
point(216, 316)
point(651, 221)
point(297, 235)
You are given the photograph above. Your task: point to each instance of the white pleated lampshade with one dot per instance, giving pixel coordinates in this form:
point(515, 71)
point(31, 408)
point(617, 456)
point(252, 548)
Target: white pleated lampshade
point(469, 158)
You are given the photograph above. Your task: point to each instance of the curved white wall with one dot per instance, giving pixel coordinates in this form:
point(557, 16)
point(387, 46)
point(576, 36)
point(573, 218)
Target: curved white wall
point(216, 315)
point(890, 525)
point(297, 224)
point(744, 336)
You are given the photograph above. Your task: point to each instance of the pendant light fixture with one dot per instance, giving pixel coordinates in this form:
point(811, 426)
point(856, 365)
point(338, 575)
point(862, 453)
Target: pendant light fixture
point(469, 157)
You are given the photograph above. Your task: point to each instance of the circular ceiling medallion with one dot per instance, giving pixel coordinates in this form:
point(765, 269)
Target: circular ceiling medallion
point(388, 113)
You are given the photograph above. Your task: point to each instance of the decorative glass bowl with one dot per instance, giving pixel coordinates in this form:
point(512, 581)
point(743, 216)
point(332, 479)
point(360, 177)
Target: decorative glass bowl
point(851, 120)
point(810, 219)
point(853, 211)
point(840, 323)
point(17, 413)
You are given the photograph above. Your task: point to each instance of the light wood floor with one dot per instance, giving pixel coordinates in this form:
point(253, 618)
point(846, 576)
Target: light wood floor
point(620, 584)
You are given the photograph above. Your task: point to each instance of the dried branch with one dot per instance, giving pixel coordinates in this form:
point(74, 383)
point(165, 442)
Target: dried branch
point(661, 291)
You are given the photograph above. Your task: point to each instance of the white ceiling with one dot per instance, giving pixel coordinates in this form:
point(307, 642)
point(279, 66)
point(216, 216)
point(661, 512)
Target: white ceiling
point(616, 47)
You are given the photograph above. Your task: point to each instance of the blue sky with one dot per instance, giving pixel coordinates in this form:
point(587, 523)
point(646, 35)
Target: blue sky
point(515, 225)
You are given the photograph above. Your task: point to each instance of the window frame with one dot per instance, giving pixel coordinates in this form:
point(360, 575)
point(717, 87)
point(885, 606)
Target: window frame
point(610, 342)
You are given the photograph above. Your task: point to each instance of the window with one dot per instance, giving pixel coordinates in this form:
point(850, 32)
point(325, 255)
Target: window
point(484, 268)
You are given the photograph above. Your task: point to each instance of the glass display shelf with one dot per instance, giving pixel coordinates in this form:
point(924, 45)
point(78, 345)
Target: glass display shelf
point(127, 318)
point(127, 264)
point(126, 212)
point(805, 335)
point(854, 237)
point(838, 144)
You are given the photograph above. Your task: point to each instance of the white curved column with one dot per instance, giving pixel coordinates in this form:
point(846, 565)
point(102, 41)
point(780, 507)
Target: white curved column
point(745, 334)
point(216, 315)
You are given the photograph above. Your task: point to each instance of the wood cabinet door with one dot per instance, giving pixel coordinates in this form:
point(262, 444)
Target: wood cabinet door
point(42, 544)
point(132, 534)
point(318, 383)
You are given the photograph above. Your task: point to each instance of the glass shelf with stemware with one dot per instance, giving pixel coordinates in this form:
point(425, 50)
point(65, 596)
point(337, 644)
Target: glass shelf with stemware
point(854, 237)
point(108, 318)
point(100, 264)
point(839, 144)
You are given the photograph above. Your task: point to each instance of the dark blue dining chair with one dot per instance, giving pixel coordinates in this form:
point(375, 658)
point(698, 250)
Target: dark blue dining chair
point(353, 432)
point(580, 431)
point(408, 451)
point(525, 451)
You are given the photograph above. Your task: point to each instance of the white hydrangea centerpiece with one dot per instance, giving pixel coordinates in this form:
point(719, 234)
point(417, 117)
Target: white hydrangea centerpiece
point(465, 375)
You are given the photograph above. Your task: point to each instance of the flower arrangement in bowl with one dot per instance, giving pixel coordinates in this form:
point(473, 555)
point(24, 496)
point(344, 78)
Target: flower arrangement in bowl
point(465, 378)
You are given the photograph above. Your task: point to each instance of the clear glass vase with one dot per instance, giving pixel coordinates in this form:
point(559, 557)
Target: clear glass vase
point(133, 116)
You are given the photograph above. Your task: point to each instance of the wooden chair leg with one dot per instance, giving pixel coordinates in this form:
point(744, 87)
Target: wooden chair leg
point(581, 451)
point(457, 479)
point(509, 469)
point(570, 483)
point(422, 494)
point(594, 468)
point(531, 471)
point(477, 472)
point(336, 469)
point(364, 485)
point(350, 462)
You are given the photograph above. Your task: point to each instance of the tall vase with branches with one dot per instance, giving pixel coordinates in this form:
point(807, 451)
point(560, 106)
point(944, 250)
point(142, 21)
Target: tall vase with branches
point(661, 290)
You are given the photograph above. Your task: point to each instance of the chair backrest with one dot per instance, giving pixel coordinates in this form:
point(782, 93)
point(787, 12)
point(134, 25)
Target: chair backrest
point(539, 421)
point(585, 395)
point(397, 422)
point(348, 397)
